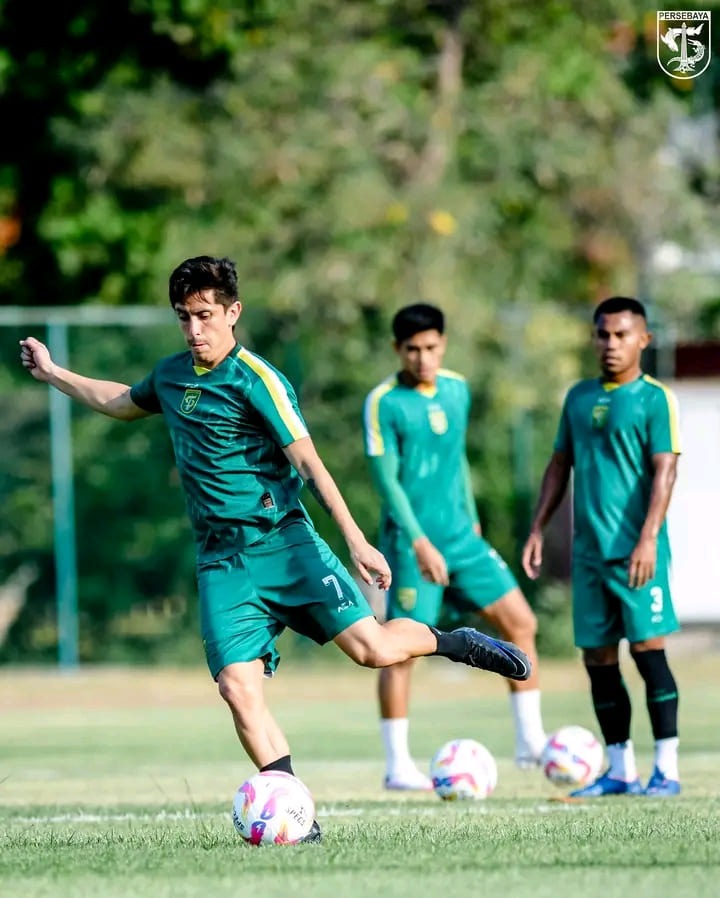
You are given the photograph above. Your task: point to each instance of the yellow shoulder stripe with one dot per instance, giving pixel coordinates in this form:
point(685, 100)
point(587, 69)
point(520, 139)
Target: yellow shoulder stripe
point(374, 442)
point(673, 415)
point(278, 393)
point(455, 375)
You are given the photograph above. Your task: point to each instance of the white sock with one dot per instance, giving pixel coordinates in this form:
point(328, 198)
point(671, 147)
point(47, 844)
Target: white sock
point(622, 761)
point(395, 739)
point(529, 730)
point(666, 757)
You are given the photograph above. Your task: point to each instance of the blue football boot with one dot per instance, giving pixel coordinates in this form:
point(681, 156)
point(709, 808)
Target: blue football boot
point(477, 649)
point(659, 786)
point(606, 785)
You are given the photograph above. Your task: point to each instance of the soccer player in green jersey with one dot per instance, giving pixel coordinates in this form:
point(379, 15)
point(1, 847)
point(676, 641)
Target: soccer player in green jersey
point(415, 426)
point(618, 434)
point(243, 452)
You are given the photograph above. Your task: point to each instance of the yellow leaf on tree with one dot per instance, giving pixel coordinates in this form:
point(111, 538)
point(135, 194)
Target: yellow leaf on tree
point(442, 222)
point(396, 213)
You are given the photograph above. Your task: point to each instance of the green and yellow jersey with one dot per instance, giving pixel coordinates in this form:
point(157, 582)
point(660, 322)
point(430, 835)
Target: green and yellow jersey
point(415, 443)
point(610, 433)
point(228, 426)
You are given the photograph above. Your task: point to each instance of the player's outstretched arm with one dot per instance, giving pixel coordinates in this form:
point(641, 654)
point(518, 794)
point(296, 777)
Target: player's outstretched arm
point(554, 483)
point(109, 398)
point(303, 456)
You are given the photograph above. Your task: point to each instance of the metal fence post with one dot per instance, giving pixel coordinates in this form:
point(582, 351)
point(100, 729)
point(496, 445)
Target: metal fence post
point(63, 506)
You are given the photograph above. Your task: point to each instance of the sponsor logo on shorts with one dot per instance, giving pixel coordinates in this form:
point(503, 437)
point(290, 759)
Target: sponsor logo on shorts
point(407, 598)
point(267, 501)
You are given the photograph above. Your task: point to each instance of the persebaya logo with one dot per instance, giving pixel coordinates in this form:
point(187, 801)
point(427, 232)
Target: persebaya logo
point(190, 400)
point(599, 415)
point(683, 42)
point(438, 419)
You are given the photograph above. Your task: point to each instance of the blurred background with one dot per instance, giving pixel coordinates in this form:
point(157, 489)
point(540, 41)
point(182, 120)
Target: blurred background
point(513, 162)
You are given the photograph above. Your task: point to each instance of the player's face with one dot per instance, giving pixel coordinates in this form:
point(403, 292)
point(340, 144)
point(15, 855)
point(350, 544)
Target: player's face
point(619, 341)
point(421, 356)
point(207, 327)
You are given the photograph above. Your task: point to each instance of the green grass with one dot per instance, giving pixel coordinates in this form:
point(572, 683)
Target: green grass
point(119, 783)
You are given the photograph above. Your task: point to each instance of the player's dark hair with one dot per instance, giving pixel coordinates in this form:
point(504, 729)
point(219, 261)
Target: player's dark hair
point(204, 273)
point(615, 304)
point(415, 319)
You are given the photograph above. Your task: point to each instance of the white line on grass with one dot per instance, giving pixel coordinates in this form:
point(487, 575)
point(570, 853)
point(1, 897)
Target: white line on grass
point(127, 817)
point(188, 814)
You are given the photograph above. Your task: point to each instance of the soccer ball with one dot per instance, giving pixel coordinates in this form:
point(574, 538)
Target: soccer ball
point(273, 808)
point(572, 757)
point(461, 769)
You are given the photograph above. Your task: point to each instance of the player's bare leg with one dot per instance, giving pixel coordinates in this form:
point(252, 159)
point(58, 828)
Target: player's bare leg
point(401, 771)
point(275, 735)
point(241, 686)
point(371, 644)
point(394, 689)
point(515, 620)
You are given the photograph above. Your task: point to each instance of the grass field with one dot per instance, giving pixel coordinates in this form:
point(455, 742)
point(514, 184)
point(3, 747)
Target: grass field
point(118, 783)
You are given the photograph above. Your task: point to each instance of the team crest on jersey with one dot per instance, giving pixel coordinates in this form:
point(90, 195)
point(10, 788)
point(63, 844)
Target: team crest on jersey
point(190, 400)
point(599, 415)
point(438, 419)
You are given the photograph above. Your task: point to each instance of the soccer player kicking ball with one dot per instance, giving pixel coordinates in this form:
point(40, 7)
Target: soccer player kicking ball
point(243, 452)
point(415, 425)
point(619, 435)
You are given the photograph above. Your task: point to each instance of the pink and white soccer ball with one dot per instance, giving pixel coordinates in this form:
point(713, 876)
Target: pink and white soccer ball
point(572, 757)
point(463, 769)
point(273, 808)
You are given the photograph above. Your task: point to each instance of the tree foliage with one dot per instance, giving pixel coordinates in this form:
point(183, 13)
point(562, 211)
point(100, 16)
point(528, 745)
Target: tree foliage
point(513, 162)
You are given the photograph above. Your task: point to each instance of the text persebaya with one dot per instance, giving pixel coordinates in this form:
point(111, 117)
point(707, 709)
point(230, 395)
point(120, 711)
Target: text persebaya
point(683, 42)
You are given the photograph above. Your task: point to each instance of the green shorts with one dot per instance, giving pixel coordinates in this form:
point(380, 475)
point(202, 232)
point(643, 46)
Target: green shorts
point(290, 579)
point(606, 609)
point(478, 577)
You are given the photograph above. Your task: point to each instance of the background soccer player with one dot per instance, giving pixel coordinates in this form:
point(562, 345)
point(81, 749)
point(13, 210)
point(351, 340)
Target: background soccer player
point(243, 451)
point(415, 426)
point(619, 435)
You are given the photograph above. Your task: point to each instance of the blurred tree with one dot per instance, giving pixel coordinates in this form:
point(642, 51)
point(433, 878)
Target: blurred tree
point(508, 160)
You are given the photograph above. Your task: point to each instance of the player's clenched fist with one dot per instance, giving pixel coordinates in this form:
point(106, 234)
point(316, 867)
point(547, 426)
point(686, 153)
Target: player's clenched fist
point(35, 357)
